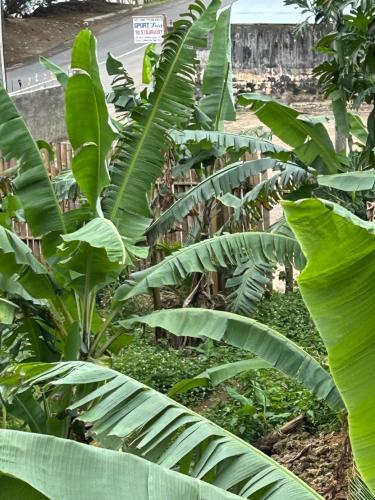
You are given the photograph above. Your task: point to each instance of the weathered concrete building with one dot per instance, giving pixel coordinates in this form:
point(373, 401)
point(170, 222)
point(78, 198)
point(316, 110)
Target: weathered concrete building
point(267, 55)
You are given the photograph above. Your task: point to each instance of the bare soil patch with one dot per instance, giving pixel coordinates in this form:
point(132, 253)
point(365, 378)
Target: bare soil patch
point(323, 461)
point(53, 29)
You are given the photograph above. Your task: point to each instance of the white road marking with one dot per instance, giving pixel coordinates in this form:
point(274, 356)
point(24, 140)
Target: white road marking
point(40, 84)
point(127, 53)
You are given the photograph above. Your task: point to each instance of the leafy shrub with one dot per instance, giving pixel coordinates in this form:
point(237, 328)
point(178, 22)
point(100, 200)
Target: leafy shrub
point(289, 315)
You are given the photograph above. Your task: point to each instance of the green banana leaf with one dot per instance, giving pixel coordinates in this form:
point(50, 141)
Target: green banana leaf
point(65, 186)
point(102, 234)
point(217, 184)
point(139, 158)
point(20, 271)
point(237, 142)
point(96, 252)
point(61, 76)
point(60, 469)
point(7, 311)
point(337, 287)
point(250, 335)
point(247, 287)
point(165, 432)
point(217, 86)
point(217, 375)
point(32, 184)
point(358, 490)
point(308, 137)
point(213, 254)
point(87, 119)
point(357, 128)
point(269, 192)
point(249, 281)
point(25, 408)
point(349, 181)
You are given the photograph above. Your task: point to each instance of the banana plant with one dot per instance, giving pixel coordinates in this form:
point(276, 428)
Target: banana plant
point(144, 141)
point(217, 182)
point(86, 248)
point(310, 165)
point(90, 251)
point(205, 142)
point(313, 168)
point(260, 340)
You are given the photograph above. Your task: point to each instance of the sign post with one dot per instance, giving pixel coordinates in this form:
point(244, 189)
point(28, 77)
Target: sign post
point(149, 29)
point(3, 77)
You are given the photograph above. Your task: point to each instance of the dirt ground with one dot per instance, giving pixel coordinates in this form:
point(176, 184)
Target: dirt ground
point(52, 30)
point(324, 461)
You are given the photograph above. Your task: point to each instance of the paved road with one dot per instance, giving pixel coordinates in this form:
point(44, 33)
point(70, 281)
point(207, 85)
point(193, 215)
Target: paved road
point(118, 39)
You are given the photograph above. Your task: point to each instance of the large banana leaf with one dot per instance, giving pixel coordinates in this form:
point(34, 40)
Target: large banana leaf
point(217, 86)
point(225, 251)
point(337, 286)
point(101, 234)
point(226, 140)
point(349, 181)
point(250, 335)
point(140, 155)
point(87, 119)
point(357, 128)
point(32, 184)
point(15, 255)
point(308, 137)
point(60, 469)
point(221, 182)
point(166, 432)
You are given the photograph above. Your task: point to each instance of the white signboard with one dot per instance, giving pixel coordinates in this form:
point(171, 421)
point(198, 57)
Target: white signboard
point(148, 29)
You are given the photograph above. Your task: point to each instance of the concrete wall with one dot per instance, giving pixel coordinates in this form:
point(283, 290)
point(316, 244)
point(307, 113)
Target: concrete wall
point(270, 58)
point(44, 112)
point(273, 46)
